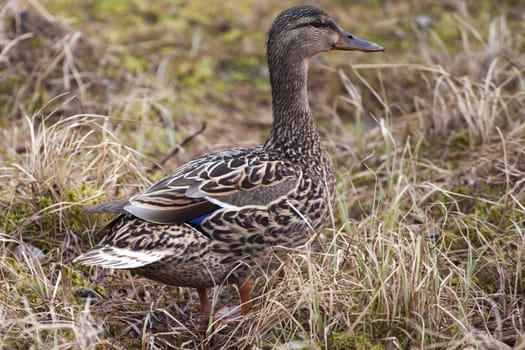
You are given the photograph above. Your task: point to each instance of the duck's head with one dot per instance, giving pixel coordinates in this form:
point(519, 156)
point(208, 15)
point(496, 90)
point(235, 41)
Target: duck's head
point(305, 31)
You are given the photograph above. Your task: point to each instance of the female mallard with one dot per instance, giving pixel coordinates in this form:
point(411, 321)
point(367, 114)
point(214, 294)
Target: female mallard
point(214, 217)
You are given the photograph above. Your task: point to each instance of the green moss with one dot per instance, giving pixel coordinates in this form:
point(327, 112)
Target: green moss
point(75, 216)
point(74, 277)
point(447, 29)
point(111, 8)
point(35, 42)
point(10, 82)
point(197, 74)
point(14, 216)
point(113, 329)
point(342, 340)
point(134, 64)
point(233, 36)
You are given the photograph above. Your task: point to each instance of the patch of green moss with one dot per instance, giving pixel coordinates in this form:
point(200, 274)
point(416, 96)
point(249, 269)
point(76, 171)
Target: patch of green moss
point(24, 284)
point(39, 99)
point(75, 216)
point(10, 82)
point(342, 340)
point(361, 177)
point(447, 29)
point(459, 138)
point(134, 64)
point(197, 74)
point(113, 329)
point(14, 216)
point(453, 241)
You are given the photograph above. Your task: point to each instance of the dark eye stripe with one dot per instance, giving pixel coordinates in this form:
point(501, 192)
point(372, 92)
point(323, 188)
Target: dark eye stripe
point(315, 23)
point(318, 23)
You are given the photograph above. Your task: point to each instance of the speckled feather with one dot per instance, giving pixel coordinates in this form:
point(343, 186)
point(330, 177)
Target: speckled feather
point(259, 201)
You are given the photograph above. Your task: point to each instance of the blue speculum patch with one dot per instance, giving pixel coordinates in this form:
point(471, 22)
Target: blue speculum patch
point(196, 223)
point(199, 219)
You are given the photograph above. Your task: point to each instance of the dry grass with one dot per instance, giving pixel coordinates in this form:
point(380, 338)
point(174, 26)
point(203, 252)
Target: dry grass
point(425, 249)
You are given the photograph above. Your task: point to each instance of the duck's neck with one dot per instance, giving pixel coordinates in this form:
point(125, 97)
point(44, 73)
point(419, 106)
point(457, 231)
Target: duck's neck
point(293, 128)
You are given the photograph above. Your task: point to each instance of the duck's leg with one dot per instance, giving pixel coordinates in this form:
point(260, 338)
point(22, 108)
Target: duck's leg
point(231, 313)
point(245, 290)
point(204, 303)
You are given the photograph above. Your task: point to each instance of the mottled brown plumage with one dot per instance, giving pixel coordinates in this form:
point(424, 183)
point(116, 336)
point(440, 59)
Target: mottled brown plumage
point(216, 216)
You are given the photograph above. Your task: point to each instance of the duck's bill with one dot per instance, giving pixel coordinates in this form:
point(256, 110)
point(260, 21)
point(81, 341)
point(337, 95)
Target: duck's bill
point(351, 42)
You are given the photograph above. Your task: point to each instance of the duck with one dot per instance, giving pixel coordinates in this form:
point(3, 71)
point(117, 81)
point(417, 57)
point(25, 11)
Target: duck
point(216, 218)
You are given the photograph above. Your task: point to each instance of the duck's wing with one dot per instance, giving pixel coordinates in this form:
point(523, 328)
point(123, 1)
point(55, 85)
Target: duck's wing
point(225, 179)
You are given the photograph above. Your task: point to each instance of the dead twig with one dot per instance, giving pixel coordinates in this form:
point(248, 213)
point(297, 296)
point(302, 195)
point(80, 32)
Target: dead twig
point(177, 148)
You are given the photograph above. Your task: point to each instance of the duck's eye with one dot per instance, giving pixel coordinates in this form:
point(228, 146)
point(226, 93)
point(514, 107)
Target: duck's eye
point(317, 23)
